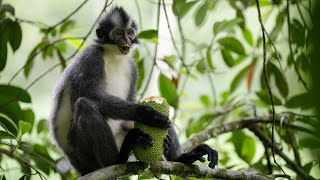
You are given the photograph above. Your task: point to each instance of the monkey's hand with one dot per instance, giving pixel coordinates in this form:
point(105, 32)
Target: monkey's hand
point(137, 136)
point(197, 153)
point(148, 115)
point(166, 144)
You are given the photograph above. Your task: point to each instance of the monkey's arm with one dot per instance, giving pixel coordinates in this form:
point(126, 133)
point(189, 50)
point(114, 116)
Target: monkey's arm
point(116, 108)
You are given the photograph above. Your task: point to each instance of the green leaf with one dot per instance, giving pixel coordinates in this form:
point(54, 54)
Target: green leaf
point(205, 100)
point(300, 101)
point(232, 44)
point(42, 126)
point(3, 54)
point(140, 65)
point(14, 94)
point(238, 79)
point(149, 35)
point(281, 83)
point(136, 56)
point(11, 108)
point(170, 60)
point(168, 90)
point(265, 97)
point(227, 57)
point(5, 135)
point(28, 116)
point(15, 35)
point(201, 14)
point(29, 63)
point(67, 26)
point(248, 149)
point(201, 67)
point(226, 25)
point(8, 124)
point(310, 142)
point(244, 145)
point(24, 127)
point(248, 36)
point(177, 5)
point(75, 43)
point(42, 151)
point(209, 58)
point(297, 33)
point(186, 8)
point(196, 126)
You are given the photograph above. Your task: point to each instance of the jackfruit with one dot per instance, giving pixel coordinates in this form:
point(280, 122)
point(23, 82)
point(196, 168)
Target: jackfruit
point(154, 152)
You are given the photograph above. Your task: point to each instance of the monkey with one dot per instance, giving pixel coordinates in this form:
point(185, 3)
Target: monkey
point(94, 106)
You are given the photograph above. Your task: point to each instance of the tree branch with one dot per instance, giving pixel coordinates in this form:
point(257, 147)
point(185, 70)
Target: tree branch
point(173, 168)
point(236, 125)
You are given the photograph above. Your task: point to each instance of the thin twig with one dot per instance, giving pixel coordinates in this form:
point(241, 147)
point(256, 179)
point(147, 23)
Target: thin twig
point(22, 160)
point(70, 57)
point(155, 54)
point(291, 51)
point(38, 52)
point(267, 82)
point(67, 17)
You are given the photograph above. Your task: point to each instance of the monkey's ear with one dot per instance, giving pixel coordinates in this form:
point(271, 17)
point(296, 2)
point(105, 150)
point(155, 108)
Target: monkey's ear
point(100, 33)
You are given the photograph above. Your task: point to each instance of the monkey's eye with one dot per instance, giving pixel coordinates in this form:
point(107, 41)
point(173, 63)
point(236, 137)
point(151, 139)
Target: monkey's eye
point(130, 32)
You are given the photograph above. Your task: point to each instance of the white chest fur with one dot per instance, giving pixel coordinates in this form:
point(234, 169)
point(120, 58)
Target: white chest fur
point(118, 77)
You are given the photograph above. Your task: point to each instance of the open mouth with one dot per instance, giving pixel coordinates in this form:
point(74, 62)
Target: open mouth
point(125, 49)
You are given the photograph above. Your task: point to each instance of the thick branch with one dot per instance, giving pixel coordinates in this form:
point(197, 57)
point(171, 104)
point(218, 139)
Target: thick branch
point(172, 168)
point(232, 126)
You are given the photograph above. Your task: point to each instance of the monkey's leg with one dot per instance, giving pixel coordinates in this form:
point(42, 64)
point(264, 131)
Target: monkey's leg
point(92, 139)
point(174, 152)
point(133, 137)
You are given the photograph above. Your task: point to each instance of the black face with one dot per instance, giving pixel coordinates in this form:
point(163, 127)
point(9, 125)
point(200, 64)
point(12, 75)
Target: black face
point(117, 28)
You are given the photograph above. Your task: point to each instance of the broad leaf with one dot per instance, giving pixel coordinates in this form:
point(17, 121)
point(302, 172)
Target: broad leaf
point(3, 54)
point(28, 116)
point(67, 26)
point(24, 127)
point(201, 14)
point(226, 25)
point(14, 94)
point(227, 57)
point(248, 36)
point(15, 35)
point(232, 44)
point(300, 101)
point(205, 100)
point(265, 97)
point(238, 79)
point(168, 90)
point(149, 35)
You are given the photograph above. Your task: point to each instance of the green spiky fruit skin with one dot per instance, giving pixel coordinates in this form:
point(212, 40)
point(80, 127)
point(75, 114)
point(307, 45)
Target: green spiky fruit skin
point(154, 152)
